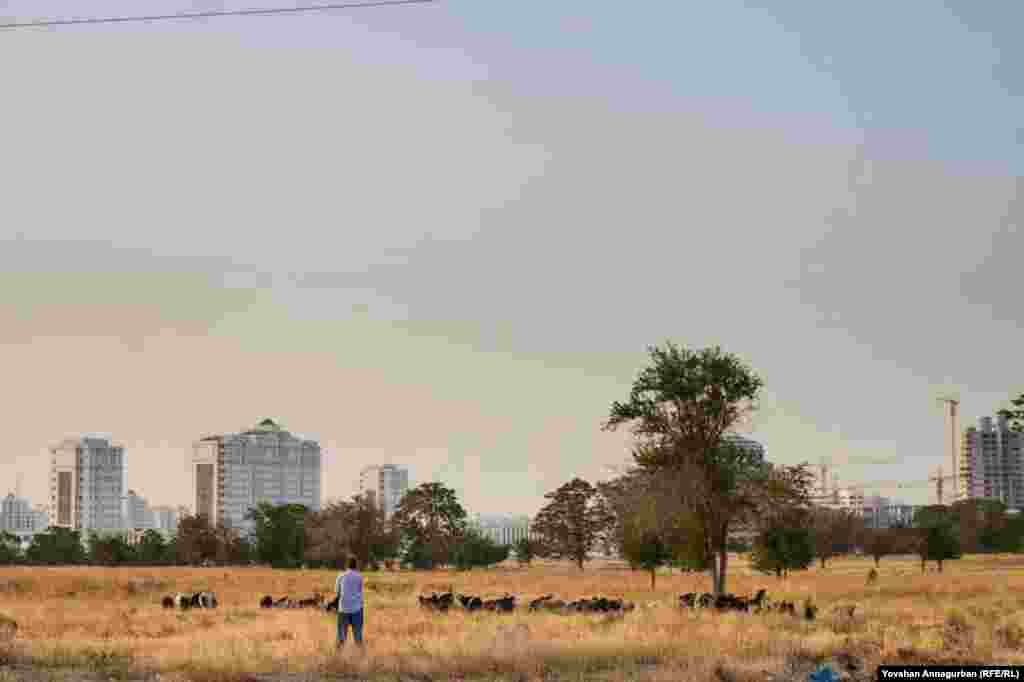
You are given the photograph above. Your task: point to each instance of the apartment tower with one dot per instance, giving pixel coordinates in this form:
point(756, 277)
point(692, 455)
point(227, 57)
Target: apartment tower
point(86, 477)
point(385, 484)
point(137, 514)
point(991, 464)
point(233, 472)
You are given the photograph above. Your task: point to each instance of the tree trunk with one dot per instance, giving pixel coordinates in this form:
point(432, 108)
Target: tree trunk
point(653, 571)
point(579, 562)
point(876, 561)
point(940, 565)
point(923, 568)
point(778, 573)
point(823, 563)
point(720, 562)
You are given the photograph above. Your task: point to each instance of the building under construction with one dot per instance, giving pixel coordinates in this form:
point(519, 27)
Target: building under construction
point(992, 465)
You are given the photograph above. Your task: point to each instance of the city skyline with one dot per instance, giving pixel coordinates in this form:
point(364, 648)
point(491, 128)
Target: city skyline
point(443, 236)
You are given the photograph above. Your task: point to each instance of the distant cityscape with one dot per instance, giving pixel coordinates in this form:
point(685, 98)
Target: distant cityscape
point(233, 472)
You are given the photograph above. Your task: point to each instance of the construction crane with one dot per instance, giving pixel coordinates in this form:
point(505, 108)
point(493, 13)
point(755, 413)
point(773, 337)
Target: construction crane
point(937, 479)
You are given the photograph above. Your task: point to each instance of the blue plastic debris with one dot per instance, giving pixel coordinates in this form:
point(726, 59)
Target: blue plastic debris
point(824, 674)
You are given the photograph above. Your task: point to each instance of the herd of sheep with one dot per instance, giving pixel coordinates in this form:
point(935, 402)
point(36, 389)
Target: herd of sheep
point(195, 600)
point(757, 604)
point(443, 602)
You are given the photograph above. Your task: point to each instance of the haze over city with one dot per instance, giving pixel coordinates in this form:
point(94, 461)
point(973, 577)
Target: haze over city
point(443, 236)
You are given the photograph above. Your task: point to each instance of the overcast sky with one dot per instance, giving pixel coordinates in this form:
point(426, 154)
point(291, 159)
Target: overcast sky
point(444, 235)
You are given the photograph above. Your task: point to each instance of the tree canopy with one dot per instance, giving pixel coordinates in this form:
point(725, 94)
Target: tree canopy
point(574, 522)
point(431, 522)
point(781, 548)
point(680, 410)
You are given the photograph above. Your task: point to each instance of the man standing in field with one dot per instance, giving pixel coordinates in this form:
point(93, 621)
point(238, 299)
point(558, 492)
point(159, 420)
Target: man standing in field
point(349, 587)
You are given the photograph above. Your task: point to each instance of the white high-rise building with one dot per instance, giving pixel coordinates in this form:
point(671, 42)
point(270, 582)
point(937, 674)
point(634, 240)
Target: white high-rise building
point(992, 463)
point(232, 473)
point(385, 484)
point(19, 518)
point(165, 520)
point(86, 477)
point(136, 511)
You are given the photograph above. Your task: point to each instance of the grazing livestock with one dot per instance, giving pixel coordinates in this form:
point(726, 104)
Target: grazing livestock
point(726, 602)
point(437, 602)
point(331, 605)
point(183, 601)
point(553, 605)
point(207, 600)
point(316, 600)
point(810, 610)
point(168, 602)
point(470, 603)
point(539, 602)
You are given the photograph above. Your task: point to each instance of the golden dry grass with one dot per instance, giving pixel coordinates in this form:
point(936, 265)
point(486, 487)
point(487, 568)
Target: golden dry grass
point(111, 618)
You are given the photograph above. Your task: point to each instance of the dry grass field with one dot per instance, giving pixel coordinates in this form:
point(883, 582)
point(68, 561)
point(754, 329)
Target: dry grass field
point(112, 620)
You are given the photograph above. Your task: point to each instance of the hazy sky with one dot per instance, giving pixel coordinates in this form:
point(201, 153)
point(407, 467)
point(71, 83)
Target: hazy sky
point(444, 235)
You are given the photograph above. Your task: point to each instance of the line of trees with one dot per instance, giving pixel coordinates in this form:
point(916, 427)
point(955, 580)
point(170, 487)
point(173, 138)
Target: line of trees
point(428, 530)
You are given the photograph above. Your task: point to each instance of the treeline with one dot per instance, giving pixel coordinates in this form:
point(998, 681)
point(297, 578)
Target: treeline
point(693, 490)
point(429, 529)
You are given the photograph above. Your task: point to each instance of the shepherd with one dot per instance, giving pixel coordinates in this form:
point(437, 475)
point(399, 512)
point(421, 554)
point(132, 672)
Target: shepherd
point(349, 589)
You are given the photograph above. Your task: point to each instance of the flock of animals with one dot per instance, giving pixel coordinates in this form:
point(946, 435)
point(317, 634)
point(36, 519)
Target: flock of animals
point(286, 602)
point(443, 602)
point(757, 604)
point(195, 600)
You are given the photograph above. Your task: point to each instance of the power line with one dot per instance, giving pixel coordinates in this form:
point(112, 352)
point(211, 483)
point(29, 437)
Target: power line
point(214, 13)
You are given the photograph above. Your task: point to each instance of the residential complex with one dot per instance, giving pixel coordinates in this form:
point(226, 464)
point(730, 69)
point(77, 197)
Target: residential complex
point(232, 473)
point(86, 477)
point(18, 517)
point(136, 512)
point(385, 484)
point(165, 519)
point(991, 463)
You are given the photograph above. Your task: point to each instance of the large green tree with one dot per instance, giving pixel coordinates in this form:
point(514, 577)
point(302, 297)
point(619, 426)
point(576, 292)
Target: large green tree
point(431, 522)
point(780, 549)
point(681, 408)
point(279, 533)
point(574, 522)
point(981, 525)
point(478, 550)
point(109, 549)
point(10, 548)
point(152, 548)
point(56, 546)
point(646, 549)
point(939, 543)
point(195, 541)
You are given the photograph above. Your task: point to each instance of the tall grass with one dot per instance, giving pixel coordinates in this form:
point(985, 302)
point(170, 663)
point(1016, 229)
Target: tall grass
point(110, 618)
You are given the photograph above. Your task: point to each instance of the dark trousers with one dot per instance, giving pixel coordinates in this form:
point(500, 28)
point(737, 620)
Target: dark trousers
point(353, 619)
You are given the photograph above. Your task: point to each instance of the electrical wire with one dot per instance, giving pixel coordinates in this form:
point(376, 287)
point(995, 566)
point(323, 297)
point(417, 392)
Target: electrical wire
point(213, 13)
